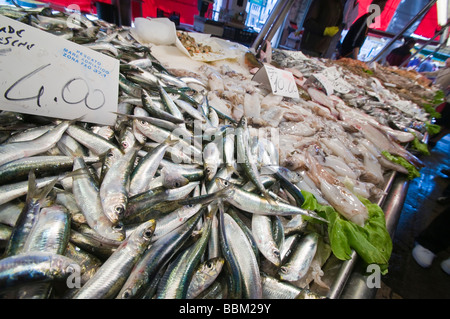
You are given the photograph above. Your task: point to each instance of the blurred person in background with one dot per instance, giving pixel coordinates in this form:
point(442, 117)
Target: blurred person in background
point(426, 65)
point(357, 34)
point(322, 22)
point(414, 63)
point(401, 54)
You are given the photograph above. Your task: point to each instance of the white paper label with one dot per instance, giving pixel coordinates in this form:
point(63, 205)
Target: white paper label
point(281, 82)
point(45, 75)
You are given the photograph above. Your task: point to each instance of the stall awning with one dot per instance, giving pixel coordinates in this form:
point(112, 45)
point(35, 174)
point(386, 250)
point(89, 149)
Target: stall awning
point(186, 9)
point(427, 27)
point(429, 24)
point(84, 5)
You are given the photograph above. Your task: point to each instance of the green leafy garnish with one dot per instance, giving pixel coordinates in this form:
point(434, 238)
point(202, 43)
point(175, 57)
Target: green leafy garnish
point(438, 99)
point(412, 171)
point(422, 148)
point(432, 111)
point(371, 242)
point(432, 129)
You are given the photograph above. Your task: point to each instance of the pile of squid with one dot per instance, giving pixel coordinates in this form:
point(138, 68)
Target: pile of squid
point(195, 192)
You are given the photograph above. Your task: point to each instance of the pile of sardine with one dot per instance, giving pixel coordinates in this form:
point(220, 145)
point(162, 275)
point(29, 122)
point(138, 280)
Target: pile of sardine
point(195, 192)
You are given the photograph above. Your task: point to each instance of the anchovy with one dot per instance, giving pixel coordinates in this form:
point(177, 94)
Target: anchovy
point(298, 264)
point(146, 270)
point(98, 246)
point(87, 196)
point(30, 134)
point(41, 165)
point(232, 269)
point(168, 222)
point(146, 168)
point(244, 157)
point(255, 204)
point(170, 80)
point(50, 234)
point(204, 276)
point(115, 186)
point(262, 233)
point(175, 283)
point(155, 111)
point(141, 205)
point(12, 151)
point(35, 267)
point(245, 258)
point(36, 198)
point(110, 277)
point(97, 144)
point(189, 109)
point(278, 289)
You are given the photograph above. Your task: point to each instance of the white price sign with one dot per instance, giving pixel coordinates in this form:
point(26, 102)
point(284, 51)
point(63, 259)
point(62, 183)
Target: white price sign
point(281, 82)
point(45, 75)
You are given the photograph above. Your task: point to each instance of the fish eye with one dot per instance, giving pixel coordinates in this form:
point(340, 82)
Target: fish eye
point(119, 210)
point(284, 270)
point(70, 269)
point(118, 227)
point(126, 294)
point(142, 122)
point(209, 265)
point(177, 184)
point(148, 233)
point(124, 144)
point(110, 154)
point(276, 252)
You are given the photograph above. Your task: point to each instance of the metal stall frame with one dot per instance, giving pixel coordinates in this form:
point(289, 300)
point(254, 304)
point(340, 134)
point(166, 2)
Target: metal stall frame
point(273, 23)
point(405, 28)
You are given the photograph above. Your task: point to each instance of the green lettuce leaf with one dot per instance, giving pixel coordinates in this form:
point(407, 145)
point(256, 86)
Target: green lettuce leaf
point(371, 242)
point(422, 148)
point(432, 129)
point(430, 108)
point(432, 111)
point(439, 97)
point(412, 171)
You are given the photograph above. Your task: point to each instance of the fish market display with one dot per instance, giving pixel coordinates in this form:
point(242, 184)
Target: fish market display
point(207, 186)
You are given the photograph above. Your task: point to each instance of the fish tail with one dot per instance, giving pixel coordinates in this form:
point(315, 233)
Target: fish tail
point(35, 193)
point(76, 119)
point(77, 172)
point(269, 198)
point(170, 141)
point(31, 186)
point(232, 169)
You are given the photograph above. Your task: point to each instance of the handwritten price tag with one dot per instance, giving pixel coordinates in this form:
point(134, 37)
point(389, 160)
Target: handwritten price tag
point(45, 75)
point(281, 82)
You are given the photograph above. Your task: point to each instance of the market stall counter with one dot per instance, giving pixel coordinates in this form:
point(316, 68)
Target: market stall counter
point(221, 176)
